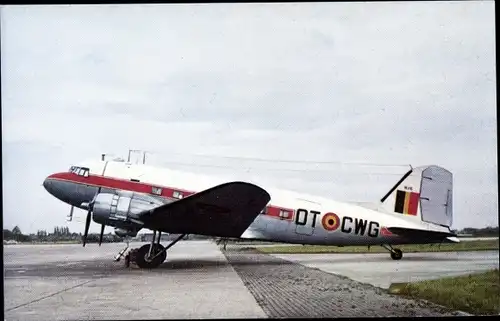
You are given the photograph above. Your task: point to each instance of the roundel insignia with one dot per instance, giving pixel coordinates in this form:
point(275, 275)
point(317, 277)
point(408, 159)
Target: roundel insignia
point(330, 221)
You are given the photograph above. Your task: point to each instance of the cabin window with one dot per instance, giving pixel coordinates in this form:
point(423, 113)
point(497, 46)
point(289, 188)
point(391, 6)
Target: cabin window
point(156, 190)
point(284, 214)
point(177, 194)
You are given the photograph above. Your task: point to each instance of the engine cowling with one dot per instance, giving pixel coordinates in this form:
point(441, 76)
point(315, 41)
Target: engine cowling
point(118, 209)
point(123, 232)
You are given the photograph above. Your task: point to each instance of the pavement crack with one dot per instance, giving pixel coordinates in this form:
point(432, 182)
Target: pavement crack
point(48, 296)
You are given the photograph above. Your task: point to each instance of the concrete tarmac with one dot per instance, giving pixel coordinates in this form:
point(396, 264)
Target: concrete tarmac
point(68, 282)
point(380, 270)
point(61, 282)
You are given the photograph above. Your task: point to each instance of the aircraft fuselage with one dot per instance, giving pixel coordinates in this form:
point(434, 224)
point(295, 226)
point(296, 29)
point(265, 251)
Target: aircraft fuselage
point(289, 217)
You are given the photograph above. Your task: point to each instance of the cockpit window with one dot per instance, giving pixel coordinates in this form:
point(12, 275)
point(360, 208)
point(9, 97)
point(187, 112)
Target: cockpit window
point(80, 171)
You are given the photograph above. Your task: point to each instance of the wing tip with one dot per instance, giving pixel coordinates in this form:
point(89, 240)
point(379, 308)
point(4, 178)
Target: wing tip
point(247, 184)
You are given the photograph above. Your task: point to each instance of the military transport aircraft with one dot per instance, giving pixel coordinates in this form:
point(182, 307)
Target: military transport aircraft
point(131, 197)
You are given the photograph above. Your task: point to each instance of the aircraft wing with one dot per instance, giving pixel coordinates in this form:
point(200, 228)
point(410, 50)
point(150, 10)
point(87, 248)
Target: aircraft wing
point(424, 235)
point(225, 210)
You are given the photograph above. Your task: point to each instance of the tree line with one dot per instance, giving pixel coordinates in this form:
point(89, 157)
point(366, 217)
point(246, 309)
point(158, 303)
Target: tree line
point(60, 233)
point(489, 231)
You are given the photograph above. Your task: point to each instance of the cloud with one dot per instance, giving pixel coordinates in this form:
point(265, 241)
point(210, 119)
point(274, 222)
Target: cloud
point(395, 83)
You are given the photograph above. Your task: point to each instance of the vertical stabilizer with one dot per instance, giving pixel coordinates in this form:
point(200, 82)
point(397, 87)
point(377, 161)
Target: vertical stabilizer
point(423, 193)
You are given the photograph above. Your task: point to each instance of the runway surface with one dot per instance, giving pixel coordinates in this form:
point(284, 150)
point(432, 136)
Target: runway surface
point(63, 282)
point(69, 282)
point(380, 270)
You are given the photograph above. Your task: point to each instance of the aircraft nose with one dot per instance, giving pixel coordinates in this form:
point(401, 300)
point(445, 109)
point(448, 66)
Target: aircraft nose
point(47, 183)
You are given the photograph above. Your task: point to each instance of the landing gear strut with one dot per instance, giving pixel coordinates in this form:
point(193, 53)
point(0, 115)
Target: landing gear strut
point(396, 254)
point(150, 256)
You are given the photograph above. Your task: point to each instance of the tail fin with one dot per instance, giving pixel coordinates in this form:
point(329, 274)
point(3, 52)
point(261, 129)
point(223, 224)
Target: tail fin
point(423, 193)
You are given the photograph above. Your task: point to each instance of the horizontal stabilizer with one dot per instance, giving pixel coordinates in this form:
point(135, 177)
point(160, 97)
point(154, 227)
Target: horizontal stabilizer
point(421, 235)
point(453, 239)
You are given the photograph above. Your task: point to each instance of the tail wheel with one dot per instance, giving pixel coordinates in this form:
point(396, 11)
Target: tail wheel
point(142, 256)
point(396, 254)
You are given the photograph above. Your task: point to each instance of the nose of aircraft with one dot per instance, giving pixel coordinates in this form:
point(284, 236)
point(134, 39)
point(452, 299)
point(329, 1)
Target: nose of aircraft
point(47, 183)
point(63, 190)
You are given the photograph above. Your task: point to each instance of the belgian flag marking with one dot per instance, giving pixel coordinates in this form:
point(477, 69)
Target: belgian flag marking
point(406, 202)
point(330, 221)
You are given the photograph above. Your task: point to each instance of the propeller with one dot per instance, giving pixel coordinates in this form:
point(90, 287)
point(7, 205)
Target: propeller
point(70, 216)
point(90, 206)
point(102, 233)
point(87, 225)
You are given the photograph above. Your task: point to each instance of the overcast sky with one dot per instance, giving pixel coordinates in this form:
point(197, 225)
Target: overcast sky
point(383, 83)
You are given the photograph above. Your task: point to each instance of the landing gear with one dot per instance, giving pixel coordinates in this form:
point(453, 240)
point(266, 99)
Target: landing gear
point(150, 256)
point(396, 254)
point(127, 260)
point(222, 241)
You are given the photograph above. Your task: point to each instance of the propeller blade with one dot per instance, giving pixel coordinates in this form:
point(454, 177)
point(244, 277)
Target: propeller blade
point(87, 225)
point(102, 233)
point(70, 216)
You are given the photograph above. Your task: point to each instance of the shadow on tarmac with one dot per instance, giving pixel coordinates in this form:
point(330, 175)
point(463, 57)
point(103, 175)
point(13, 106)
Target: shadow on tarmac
point(109, 268)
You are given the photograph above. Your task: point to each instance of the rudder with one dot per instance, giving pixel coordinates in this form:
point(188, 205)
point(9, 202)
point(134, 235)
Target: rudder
point(423, 193)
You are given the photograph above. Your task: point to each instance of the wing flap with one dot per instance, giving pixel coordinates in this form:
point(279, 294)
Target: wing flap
point(225, 210)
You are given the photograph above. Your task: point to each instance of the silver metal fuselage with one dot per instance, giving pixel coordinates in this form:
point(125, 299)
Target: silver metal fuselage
point(320, 221)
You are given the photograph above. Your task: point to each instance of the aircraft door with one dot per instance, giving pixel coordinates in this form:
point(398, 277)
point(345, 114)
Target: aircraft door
point(306, 217)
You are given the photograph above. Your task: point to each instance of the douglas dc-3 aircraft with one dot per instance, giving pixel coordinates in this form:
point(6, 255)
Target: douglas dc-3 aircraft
point(131, 197)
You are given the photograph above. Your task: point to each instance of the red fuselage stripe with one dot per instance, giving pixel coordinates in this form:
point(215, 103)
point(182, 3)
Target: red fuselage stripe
point(164, 191)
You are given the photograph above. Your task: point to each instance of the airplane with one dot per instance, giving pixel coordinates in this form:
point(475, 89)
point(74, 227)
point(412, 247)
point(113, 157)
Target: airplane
point(130, 197)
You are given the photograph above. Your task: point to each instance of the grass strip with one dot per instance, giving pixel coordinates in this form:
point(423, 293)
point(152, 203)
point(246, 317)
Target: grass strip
point(478, 294)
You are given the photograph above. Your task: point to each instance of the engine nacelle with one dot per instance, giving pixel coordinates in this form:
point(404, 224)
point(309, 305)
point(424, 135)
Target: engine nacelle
point(123, 233)
point(117, 209)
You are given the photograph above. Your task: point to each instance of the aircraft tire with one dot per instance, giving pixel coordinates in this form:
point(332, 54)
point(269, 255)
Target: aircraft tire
point(127, 260)
point(396, 254)
point(142, 253)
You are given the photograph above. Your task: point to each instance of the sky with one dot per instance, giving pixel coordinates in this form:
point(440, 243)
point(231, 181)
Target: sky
point(387, 84)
